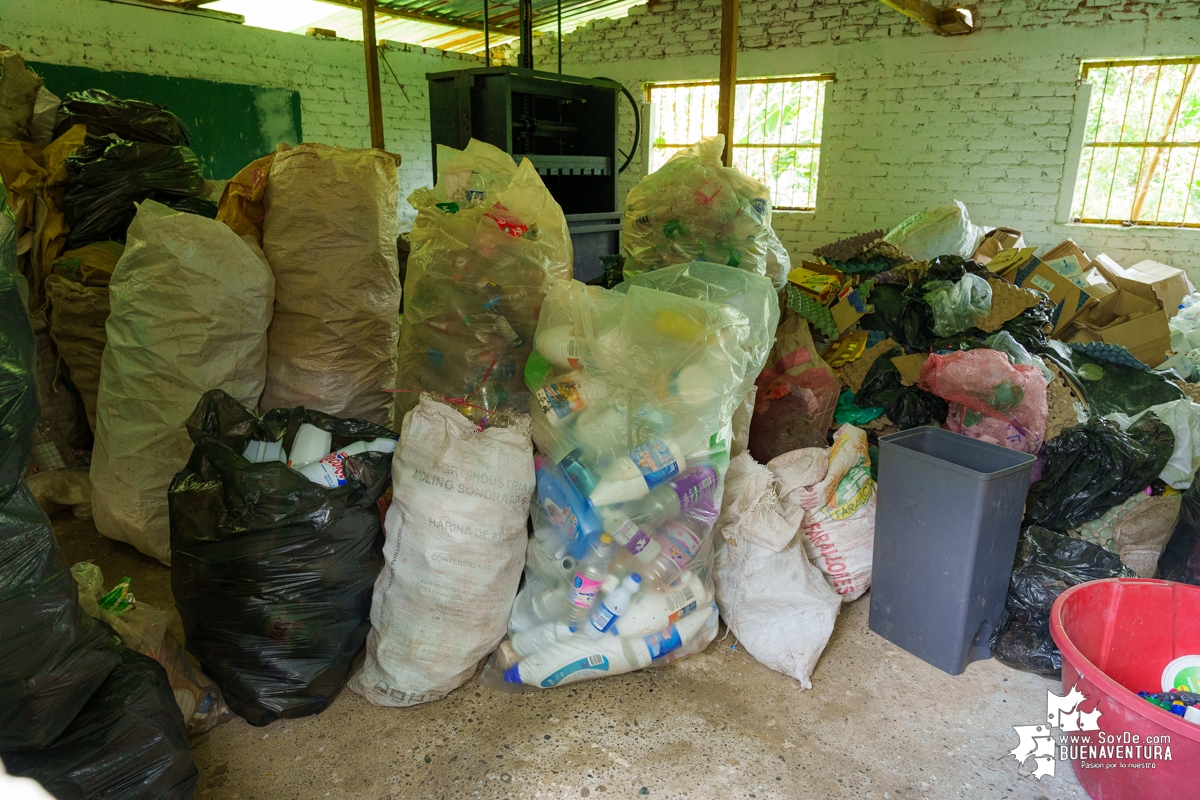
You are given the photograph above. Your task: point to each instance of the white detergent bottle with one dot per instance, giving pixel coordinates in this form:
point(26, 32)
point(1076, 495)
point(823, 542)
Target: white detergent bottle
point(631, 477)
point(526, 643)
point(577, 658)
point(330, 472)
point(653, 611)
point(612, 606)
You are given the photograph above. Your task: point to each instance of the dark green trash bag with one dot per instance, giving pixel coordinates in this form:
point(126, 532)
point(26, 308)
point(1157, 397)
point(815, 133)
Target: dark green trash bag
point(273, 574)
point(129, 742)
point(52, 655)
point(1092, 467)
point(1047, 564)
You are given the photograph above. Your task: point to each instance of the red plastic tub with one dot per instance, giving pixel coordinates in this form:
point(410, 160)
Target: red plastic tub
point(1116, 636)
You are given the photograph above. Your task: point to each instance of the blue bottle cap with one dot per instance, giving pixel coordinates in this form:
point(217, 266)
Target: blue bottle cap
point(636, 578)
point(513, 674)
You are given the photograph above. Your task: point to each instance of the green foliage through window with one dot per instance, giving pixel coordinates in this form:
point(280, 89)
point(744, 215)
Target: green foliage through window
point(1141, 147)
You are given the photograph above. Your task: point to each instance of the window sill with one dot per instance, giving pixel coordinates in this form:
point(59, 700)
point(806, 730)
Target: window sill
point(1154, 230)
point(795, 212)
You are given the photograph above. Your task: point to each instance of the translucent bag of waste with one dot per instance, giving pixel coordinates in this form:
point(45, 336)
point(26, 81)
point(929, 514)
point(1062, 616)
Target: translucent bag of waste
point(958, 305)
point(145, 630)
point(1185, 326)
point(634, 392)
point(1016, 352)
point(938, 232)
point(488, 243)
point(987, 386)
point(693, 208)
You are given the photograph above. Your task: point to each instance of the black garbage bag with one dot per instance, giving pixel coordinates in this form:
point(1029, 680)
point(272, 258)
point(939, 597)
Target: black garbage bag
point(19, 408)
point(1092, 467)
point(888, 316)
point(1030, 328)
point(273, 574)
point(132, 120)
point(128, 743)
point(906, 406)
point(1180, 559)
point(1107, 387)
point(107, 175)
point(1047, 564)
point(53, 656)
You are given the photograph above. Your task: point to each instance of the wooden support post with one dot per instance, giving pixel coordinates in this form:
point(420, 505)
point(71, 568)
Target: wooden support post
point(728, 76)
point(374, 95)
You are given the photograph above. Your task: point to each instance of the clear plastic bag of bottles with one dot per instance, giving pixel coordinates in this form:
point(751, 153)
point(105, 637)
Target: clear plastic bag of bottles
point(693, 208)
point(488, 243)
point(634, 391)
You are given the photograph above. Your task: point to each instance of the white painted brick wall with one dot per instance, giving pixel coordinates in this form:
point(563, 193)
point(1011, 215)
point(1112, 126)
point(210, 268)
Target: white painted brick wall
point(329, 74)
point(916, 120)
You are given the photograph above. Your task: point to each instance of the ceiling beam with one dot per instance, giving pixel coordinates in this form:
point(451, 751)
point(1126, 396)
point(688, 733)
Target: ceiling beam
point(946, 21)
point(417, 16)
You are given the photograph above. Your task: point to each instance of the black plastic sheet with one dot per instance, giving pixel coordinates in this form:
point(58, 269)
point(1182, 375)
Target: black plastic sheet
point(906, 406)
point(1107, 387)
point(1092, 467)
point(1047, 564)
point(132, 120)
point(52, 655)
point(1180, 559)
point(273, 574)
point(108, 175)
point(19, 409)
point(129, 743)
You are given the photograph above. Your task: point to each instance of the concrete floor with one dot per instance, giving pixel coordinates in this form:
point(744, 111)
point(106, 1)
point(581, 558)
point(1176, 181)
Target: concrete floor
point(878, 723)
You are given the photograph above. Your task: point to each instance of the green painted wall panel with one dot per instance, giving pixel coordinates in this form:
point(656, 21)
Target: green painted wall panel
point(231, 123)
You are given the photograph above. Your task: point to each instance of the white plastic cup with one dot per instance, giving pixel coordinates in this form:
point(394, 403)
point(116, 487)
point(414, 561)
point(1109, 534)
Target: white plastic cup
point(311, 444)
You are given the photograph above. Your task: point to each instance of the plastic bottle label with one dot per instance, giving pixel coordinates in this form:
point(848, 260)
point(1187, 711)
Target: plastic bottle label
point(684, 603)
point(655, 461)
point(559, 400)
point(596, 663)
point(663, 642)
point(682, 548)
point(563, 519)
point(602, 618)
point(633, 539)
point(692, 494)
point(584, 591)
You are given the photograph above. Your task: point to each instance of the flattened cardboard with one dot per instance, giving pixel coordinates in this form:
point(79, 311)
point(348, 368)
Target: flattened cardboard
point(1007, 261)
point(996, 241)
point(821, 287)
point(1167, 285)
point(1067, 247)
point(855, 372)
point(910, 367)
point(1007, 302)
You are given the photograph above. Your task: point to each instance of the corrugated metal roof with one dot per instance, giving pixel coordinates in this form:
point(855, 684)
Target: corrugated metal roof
point(297, 16)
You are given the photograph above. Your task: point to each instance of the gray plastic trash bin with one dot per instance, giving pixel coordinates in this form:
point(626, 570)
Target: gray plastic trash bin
point(946, 531)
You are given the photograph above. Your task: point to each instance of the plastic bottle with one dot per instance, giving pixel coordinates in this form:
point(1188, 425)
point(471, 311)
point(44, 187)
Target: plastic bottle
point(577, 658)
point(678, 546)
point(631, 477)
point(559, 346)
point(562, 491)
point(563, 399)
point(258, 452)
point(526, 643)
point(533, 609)
point(584, 590)
point(614, 605)
point(630, 536)
point(692, 489)
point(310, 444)
point(330, 471)
point(653, 611)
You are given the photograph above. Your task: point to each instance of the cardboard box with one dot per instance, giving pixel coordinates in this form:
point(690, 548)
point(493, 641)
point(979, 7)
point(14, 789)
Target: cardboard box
point(821, 287)
point(1063, 281)
point(1066, 248)
point(1133, 322)
point(1008, 261)
point(996, 241)
point(1150, 280)
point(848, 309)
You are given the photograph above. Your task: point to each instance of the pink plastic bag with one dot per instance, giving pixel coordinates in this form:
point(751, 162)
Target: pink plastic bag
point(991, 399)
point(792, 412)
